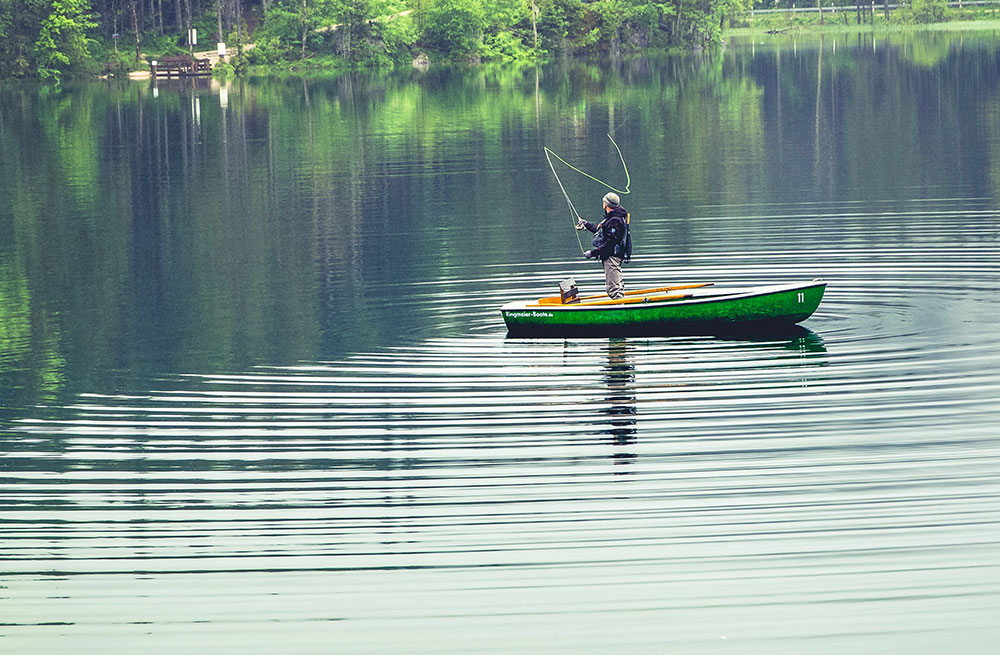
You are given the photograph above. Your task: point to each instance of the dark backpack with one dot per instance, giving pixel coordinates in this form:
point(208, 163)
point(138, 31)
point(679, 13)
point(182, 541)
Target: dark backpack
point(622, 249)
point(627, 241)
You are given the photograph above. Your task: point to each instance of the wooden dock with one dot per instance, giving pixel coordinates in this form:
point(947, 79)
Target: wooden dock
point(180, 67)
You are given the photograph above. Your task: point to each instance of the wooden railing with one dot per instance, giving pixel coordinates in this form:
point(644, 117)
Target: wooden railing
point(810, 5)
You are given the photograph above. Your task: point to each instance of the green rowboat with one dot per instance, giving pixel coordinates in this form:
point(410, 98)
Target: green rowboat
point(684, 309)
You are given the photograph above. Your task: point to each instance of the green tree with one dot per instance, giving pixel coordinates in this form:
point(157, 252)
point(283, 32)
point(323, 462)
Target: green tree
point(507, 34)
point(6, 28)
point(355, 19)
point(559, 23)
point(455, 27)
point(62, 38)
point(506, 14)
point(358, 32)
point(928, 11)
point(19, 21)
point(606, 19)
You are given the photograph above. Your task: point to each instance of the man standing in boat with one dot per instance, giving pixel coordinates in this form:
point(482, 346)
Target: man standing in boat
point(611, 244)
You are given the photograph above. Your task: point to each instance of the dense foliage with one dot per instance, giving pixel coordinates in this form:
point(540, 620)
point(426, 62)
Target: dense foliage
point(52, 38)
point(928, 11)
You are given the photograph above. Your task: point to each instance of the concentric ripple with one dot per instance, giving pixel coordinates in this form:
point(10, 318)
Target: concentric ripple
point(838, 483)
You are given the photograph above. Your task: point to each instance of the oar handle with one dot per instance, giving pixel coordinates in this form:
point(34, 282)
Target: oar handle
point(557, 300)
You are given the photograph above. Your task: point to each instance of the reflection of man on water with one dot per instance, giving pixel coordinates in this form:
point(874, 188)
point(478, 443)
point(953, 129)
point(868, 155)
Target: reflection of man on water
point(619, 376)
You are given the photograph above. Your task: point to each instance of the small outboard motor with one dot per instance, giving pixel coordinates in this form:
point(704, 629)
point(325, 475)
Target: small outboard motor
point(568, 291)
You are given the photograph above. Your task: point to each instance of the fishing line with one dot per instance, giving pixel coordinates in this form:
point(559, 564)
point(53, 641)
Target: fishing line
point(574, 214)
point(628, 179)
point(572, 209)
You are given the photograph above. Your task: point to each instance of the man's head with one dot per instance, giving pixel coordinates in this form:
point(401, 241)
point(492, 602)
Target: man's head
point(611, 200)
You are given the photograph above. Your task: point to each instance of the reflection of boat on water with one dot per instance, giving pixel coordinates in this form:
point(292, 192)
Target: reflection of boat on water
point(686, 309)
point(788, 337)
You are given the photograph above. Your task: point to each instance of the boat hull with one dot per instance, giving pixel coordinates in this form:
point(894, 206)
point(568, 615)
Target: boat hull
point(708, 311)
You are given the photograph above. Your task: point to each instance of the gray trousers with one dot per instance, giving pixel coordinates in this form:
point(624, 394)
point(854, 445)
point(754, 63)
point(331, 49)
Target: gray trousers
point(613, 278)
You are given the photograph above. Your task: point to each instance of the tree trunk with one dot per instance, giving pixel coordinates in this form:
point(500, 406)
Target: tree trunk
point(885, 8)
point(305, 28)
point(534, 27)
point(135, 26)
point(187, 7)
point(102, 7)
point(238, 18)
point(218, 19)
point(819, 3)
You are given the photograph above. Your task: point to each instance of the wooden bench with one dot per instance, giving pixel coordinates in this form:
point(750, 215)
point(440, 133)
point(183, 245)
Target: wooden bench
point(180, 66)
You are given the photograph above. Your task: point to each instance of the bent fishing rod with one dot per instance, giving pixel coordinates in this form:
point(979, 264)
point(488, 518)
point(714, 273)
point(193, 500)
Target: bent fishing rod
point(573, 213)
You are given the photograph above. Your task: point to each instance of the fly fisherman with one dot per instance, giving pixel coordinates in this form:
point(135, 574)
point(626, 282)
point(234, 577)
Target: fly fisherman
point(610, 244)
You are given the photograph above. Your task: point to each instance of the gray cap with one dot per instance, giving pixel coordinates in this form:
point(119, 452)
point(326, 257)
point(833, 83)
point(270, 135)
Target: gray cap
point(611, 200)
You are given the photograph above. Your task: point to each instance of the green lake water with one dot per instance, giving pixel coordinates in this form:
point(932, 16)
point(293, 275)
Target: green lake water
point(256, 394)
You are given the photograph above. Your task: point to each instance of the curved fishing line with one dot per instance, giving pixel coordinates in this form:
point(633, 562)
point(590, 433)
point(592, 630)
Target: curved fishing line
point(572, 208)
point(574, 214)
point(628, 178)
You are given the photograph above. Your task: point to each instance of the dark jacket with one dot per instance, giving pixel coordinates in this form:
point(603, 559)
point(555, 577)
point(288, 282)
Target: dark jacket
point(609, 234)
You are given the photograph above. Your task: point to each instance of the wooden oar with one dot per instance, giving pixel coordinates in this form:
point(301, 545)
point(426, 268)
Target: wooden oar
point(622, 301)
point(625, 301)
point(557, 300)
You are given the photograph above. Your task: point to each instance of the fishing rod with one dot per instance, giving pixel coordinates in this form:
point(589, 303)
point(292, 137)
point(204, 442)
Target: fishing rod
point(573, 213)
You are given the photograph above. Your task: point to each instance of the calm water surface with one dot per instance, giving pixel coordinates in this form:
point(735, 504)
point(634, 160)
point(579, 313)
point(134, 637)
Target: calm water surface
point(257, 395)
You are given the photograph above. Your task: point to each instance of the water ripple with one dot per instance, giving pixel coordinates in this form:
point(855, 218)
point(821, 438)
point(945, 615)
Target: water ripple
point(852, 463)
